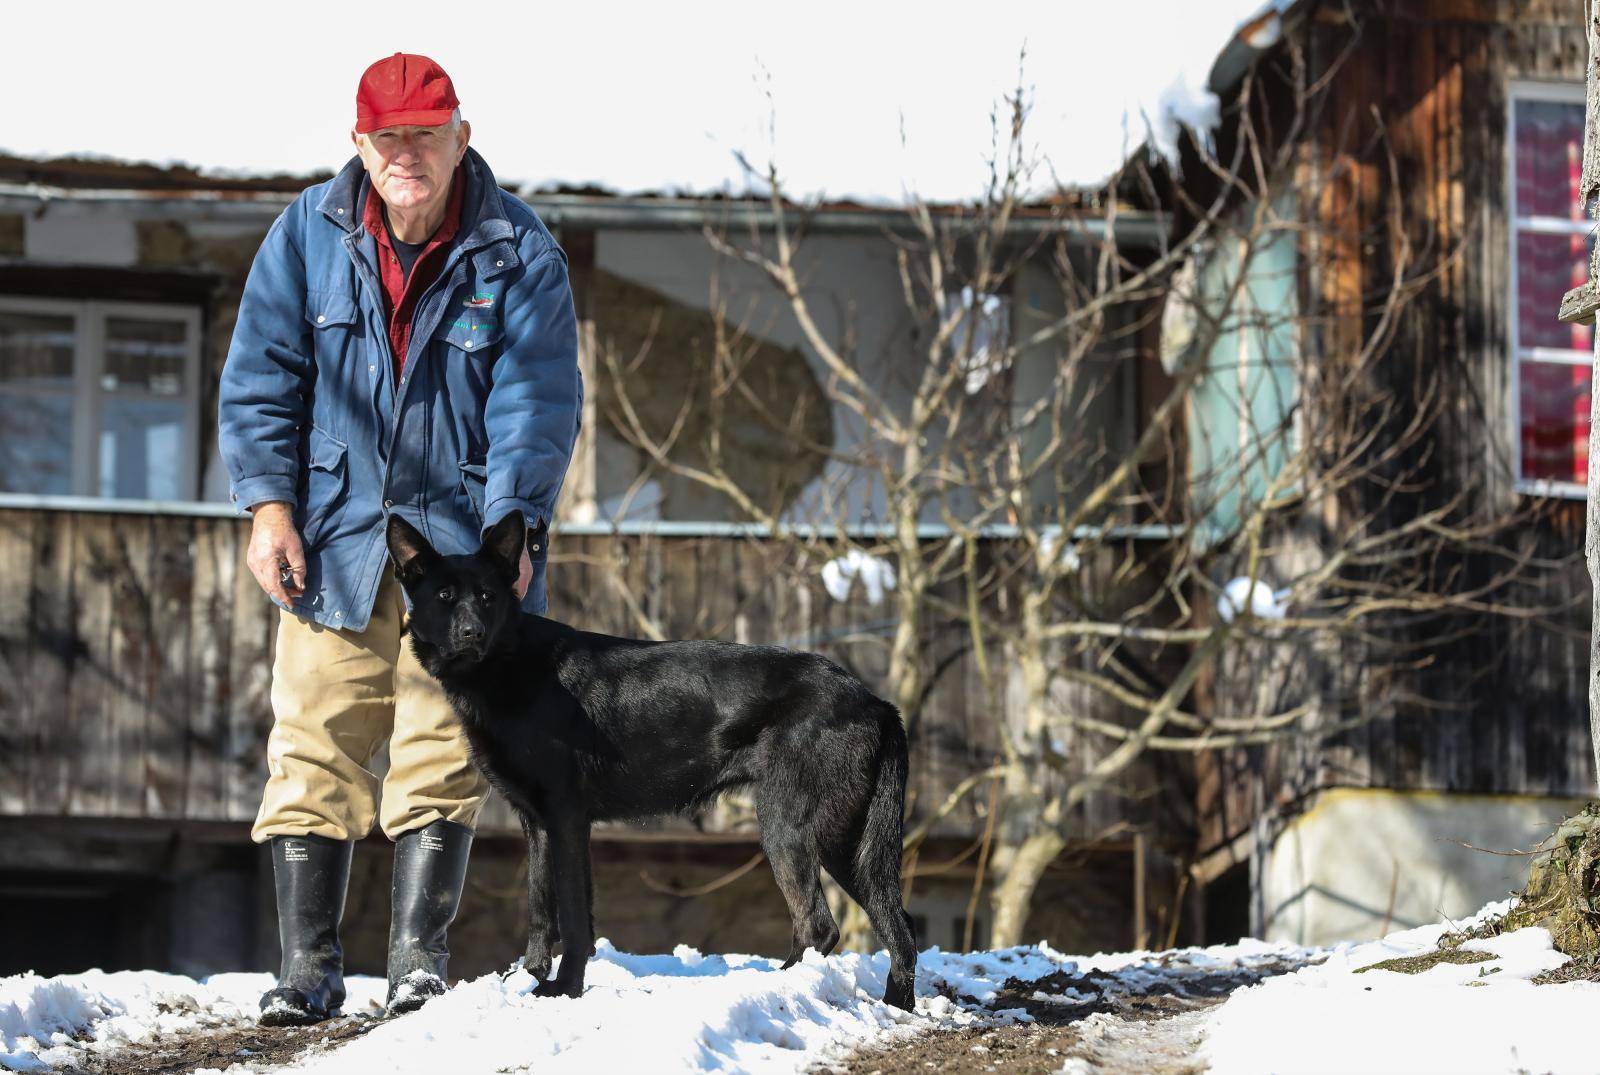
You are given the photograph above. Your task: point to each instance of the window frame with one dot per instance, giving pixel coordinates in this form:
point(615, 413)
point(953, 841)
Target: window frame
point(89, 318)
point(1559, 93)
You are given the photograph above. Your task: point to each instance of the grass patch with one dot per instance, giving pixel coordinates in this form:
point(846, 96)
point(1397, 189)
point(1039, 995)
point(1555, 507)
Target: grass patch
point(1418, 964)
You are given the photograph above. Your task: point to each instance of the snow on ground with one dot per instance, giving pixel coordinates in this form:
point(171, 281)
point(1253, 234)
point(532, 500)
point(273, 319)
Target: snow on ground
point(692, 1012)
point(50, 1022)
point(678, 1012)
point(1455, 1018)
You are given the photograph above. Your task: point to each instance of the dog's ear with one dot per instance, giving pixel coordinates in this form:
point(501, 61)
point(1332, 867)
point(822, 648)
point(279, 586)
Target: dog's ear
point(505, 540)
point(409, 549)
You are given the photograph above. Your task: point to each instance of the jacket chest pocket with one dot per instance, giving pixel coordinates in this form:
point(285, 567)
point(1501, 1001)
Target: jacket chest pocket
point(471, 333)
point(330, 315)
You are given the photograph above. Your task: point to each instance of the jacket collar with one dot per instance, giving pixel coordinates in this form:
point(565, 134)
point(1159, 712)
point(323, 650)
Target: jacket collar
point(483, 218)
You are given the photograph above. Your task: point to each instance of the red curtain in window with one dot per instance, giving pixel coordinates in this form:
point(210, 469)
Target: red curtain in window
point(1554, 412)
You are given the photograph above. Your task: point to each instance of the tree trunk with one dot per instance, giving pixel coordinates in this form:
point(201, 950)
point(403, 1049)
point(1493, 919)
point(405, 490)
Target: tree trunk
point(1017, 872)
point(1591, 544)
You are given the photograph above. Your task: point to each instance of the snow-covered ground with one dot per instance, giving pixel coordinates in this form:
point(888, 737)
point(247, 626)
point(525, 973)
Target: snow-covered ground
point(693, 1012)
point(678, 1012)
point(1474, 1017)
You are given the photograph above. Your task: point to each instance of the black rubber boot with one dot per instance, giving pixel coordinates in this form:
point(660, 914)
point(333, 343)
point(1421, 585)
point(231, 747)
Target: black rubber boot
point(430, 866)
point(310, 873)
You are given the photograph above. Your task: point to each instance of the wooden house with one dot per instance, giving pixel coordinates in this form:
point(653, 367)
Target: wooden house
point(1482, 105)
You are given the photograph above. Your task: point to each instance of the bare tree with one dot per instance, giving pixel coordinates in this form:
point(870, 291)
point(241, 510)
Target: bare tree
point(1202, 578)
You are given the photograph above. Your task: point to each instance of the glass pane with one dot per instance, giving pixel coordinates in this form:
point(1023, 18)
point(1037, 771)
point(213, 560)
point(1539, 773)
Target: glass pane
point(35, 350)
point(1549, 158)
point(1555, 421)
point(1242, 408)
point(144, 355)
point(35, 442)
point(1548, 266)
point(141, 448)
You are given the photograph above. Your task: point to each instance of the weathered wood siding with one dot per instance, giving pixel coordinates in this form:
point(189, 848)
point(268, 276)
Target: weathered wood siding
point(1514, 691)
point(135, 653)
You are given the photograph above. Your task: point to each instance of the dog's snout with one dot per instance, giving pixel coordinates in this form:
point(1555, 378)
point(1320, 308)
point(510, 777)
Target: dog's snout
point(471, 631)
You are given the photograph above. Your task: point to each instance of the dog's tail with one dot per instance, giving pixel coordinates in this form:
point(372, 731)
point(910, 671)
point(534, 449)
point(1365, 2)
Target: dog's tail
point(878, 854)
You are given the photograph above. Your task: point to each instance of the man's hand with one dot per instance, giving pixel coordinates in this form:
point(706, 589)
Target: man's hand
point(273, 543)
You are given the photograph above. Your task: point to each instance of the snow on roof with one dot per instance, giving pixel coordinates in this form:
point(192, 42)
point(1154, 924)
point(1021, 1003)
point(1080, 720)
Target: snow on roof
point(854, 102)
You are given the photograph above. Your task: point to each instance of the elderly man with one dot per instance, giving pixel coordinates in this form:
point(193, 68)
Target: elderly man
point(406, 343)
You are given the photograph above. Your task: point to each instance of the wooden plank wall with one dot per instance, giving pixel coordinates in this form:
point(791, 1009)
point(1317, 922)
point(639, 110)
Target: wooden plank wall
point(1439, 72)
point(137, 656)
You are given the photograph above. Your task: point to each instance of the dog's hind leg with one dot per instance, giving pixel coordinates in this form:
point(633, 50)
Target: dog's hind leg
point(870, 871)
point(880, 896)
point(794, 864)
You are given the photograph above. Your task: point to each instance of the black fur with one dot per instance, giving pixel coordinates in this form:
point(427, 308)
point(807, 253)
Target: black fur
point(575, 727)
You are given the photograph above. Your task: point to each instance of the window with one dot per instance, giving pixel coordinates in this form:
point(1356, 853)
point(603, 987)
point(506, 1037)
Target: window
point(987, 320)
point(1242, 410)
point(98, 399)
point(1550, 247)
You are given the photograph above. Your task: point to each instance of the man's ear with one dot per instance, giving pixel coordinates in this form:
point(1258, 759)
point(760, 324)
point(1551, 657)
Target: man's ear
point(505, 540)
point(409, 549)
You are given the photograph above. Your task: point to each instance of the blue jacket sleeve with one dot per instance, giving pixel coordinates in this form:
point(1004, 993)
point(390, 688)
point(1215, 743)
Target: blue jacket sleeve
point(535, 403)
point(261, 400)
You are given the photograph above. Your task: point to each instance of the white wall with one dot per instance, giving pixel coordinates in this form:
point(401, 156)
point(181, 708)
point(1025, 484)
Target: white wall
point(1330, 875)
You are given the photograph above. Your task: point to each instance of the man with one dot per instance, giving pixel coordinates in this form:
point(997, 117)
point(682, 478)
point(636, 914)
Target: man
point(406, 342)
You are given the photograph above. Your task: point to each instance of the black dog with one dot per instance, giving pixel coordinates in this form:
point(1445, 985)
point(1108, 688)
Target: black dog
point(574, 727)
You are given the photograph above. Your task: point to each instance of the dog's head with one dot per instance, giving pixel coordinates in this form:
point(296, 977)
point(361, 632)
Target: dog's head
point(459, 604)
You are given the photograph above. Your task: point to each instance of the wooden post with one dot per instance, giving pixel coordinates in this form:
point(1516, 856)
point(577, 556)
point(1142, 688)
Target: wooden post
point(579, 492)
point(578, 502)
point(1141, 917)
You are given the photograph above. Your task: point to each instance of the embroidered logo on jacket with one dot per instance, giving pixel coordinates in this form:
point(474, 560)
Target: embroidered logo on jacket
point(480, 301)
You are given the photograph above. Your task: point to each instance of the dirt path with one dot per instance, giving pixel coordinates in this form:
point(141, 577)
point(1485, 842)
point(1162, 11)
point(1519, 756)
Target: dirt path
point(251, 1047)
point(1143, 1020)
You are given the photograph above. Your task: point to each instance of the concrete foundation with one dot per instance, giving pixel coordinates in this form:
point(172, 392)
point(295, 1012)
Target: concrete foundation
point(1363, 862)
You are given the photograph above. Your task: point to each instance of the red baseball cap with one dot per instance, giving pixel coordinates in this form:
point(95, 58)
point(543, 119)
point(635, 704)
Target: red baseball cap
point(404, 89)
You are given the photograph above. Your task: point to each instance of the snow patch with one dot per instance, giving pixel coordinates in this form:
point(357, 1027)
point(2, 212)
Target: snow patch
point(875, 574)
point(1262, 601)
point(1050, 542)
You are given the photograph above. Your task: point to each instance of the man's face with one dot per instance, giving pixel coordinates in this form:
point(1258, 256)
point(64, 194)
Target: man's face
point(411, 166)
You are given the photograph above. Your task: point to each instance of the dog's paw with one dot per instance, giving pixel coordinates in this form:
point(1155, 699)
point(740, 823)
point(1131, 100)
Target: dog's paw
point(902, 995)
point(537, 967)
point(558, 988)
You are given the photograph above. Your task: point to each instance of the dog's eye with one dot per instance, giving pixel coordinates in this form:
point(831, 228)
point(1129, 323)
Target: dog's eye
point(487, 595)
point(447, 594)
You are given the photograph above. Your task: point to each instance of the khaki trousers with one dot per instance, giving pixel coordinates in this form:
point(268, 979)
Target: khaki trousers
point(337, 697)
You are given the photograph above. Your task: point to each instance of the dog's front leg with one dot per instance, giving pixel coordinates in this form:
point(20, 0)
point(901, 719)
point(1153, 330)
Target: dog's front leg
point(569, 852)
point(541, 901)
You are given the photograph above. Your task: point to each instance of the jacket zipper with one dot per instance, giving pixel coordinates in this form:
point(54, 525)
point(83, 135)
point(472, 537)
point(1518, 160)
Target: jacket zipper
point(396, 398)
